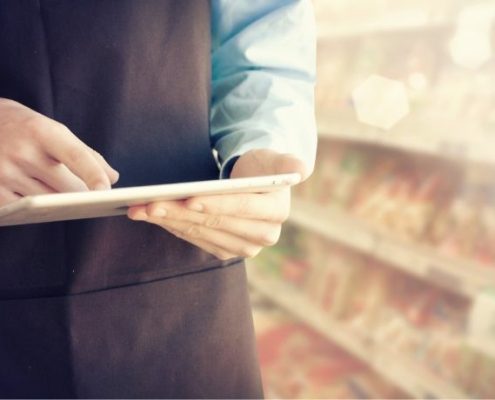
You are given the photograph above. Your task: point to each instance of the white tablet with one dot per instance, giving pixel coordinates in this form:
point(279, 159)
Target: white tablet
point(105, 203)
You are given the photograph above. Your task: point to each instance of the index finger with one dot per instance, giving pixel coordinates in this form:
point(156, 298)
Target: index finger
point(273, 206)
point(68, 149)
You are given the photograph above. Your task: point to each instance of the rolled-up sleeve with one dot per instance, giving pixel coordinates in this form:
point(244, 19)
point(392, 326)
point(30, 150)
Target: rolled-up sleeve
point(263, 74)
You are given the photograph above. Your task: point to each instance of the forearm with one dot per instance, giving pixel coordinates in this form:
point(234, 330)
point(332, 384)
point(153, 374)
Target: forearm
point(263, 80)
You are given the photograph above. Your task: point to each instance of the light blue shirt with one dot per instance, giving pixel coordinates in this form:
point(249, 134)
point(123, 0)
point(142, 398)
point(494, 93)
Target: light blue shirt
point(263, 74)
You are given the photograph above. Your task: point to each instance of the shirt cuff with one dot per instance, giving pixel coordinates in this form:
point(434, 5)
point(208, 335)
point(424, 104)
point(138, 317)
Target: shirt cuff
point(226, 168)
point(232, 146)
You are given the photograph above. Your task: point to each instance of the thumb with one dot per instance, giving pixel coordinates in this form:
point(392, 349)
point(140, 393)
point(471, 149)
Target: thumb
point(268, 162)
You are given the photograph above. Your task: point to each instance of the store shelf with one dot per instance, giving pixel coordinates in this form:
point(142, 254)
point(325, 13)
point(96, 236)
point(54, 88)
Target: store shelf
point(406, 375)
point(461, 276)
point(410, 22)
point(410, 135)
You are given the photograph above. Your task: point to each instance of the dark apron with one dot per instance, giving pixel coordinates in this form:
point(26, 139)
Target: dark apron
point(111, 307)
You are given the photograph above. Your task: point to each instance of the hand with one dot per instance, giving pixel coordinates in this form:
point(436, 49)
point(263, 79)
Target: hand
point(39, 155)
point(230, 225)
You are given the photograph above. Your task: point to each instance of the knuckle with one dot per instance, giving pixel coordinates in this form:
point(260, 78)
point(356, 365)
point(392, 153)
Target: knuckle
point(158, 210)
point(8, 102)
point(4, 165)
point(97, 154)
point(4, 199)
point(59, 128)
point(243, 205)
point(214, 221)
point(36, 127)
point(64, 129)
point(75, 154)
point(23, 156)
point(9, 126)
point(193, 231)
point(5, 172)
point(33, 121)
point(151, 208)
point(176, 233)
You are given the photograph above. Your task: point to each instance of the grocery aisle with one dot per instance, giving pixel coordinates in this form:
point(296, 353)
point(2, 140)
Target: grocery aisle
point(383, 283)
point(298, 362)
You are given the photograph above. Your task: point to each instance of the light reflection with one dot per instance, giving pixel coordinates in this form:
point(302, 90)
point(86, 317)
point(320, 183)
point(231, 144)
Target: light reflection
point(417, 81)
point(380, 102)
point(471, 46)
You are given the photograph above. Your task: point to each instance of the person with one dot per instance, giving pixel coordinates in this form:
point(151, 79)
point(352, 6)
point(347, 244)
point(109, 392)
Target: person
point(96, 93)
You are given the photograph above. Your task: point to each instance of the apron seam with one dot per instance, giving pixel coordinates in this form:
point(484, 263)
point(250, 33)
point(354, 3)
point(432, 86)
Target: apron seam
point(223, 265)
point(48, 62)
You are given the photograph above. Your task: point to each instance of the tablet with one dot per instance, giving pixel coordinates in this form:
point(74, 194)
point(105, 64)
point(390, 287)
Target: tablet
point(105, 203)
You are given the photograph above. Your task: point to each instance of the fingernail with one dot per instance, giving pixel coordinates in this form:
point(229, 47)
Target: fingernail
point(196, 206)
point(160, 212)
point(140, 216)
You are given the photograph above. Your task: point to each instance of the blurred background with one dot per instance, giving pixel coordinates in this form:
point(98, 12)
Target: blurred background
point(383, 283)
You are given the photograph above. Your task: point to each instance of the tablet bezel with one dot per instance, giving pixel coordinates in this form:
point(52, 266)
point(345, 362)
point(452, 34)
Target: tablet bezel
point(95, 204)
